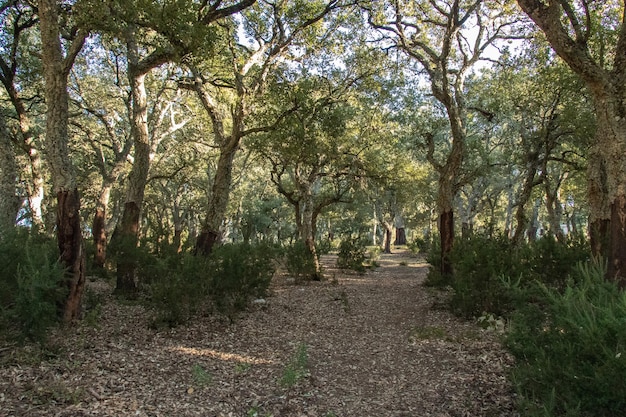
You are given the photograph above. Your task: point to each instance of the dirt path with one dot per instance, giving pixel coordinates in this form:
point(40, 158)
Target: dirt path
point(352, 346)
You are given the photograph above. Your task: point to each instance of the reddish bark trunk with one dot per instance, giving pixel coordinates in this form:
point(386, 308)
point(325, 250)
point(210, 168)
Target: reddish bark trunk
point(400, 236)
point(98, 230)
point(205, 242)
point(70, 243)
point(446, 233)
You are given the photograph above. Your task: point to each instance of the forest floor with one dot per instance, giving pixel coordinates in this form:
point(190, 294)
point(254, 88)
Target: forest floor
point(372, 345)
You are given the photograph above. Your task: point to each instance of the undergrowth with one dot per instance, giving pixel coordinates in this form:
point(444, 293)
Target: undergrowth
point(31, 289)
point(562, 320)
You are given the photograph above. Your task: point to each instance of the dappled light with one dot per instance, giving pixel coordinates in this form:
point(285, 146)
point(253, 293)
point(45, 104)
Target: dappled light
point(223, 356)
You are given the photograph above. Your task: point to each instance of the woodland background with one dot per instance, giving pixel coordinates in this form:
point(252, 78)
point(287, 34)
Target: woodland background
point(155, 143)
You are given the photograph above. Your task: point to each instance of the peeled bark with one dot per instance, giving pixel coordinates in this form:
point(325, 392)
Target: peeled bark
point(127, 232)
point(70, 243)
point(446, 234)
point(56, 69)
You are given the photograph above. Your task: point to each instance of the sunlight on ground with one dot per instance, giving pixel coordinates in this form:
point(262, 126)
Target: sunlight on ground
point(225, 356)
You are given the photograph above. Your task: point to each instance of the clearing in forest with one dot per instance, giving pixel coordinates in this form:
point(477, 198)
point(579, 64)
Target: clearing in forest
point(351, 346)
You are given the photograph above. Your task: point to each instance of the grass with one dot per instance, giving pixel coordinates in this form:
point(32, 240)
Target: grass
point(297, 368)
point(200, 376)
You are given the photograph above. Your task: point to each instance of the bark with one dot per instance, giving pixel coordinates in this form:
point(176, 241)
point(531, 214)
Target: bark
point(35, 188)
point(9, 200)
point(218, 200)
point(530, 182)
point(400, 231)
point(70, 243)
point(446, 234)
point(127, 232)
point(555, 211)
point(447, 191)
point(56, 69)
point(99, 224)
point(388, 238)
point(400, 236)
point(308, 235)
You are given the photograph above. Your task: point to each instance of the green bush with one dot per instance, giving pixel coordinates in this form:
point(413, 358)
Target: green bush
point(483, 264)
point(225, 281)
point(479, 263)
point(30, 285)
point(570, 347)
point(352, 254)
point(299, 261)
point(239, 272)
point(421, 245)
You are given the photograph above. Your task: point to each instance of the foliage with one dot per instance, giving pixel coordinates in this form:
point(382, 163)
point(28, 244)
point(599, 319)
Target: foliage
point(478, 264)
point(30, 290)
point(299, 261)
point(421, 245)
point(484, 265)
point(570, 345)
point(352, 254)
point(181, 286)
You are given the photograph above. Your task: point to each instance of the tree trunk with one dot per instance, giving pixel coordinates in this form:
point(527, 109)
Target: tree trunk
point(70, 243)
point(400, 231)
point(98, 228)
point(36, 186)
point(218, 201)
point(56, 69)
point(445, 201)
point(608, 89)
point(9, 200)
point(126, 237)
point(127, 232)
point(446, 234)
point(599, 212)
point(611, 141)
point(307, 234)
point(388, 237)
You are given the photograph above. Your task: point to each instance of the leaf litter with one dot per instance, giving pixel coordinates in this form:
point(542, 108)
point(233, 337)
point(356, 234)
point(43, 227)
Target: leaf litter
point(352, 346)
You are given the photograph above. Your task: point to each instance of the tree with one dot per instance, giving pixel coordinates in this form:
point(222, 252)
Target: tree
point(437, 36)
point(153, 37)
point(9, 200)
point(56, 68)
point(19, 71)
point(104, 106)
point(271, 29)
point(591, 38)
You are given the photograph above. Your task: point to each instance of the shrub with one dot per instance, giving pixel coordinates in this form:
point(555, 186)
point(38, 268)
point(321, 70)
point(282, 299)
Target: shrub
point(352, 254)
point(30, 285)
point(421, 245)
point(482, 265)
point(479, 263)
point(299, 261)
point(181, 286)
point(571, 348)
point(239, 272)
